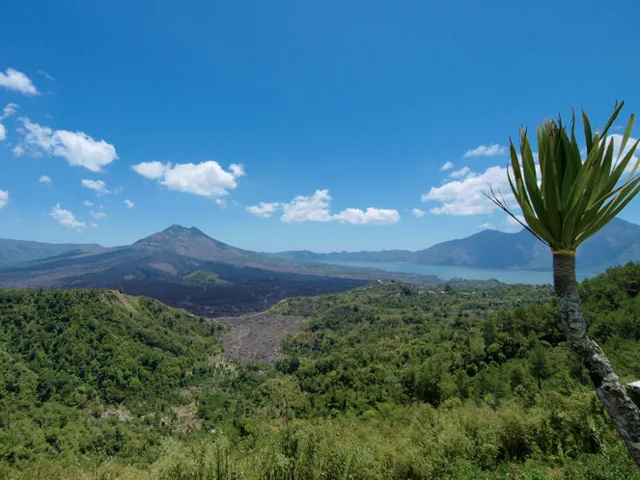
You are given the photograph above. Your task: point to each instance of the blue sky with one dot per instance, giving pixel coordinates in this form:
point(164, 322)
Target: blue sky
point(289, 125)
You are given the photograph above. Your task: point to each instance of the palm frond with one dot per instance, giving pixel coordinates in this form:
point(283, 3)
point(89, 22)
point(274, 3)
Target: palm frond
point(502, 204)
point(573, 199)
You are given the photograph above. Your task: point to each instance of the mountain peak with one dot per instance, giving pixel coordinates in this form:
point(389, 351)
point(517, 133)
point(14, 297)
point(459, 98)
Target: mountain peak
point(172, 234)
point(190, 242)
point(176, 229)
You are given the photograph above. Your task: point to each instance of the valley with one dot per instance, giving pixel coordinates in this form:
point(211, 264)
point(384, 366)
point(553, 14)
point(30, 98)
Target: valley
point(319, 241)
point(257, 337)
point(387, 380)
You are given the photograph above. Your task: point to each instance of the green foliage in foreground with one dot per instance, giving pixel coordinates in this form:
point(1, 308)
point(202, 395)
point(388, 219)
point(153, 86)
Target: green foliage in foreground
point(73, 362)
point(388, 381)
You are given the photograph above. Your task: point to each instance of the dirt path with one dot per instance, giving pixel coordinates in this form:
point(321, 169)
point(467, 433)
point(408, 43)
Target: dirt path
point(257, 337)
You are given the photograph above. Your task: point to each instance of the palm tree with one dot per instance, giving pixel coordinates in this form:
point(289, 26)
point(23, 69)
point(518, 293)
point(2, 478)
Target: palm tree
point(571, 201)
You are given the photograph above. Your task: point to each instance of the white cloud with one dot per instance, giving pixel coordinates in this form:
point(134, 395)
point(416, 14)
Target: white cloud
point(93, 225)
point(207, 179)
point(97, 186)
point(37, 139)
point(315, 208)
point(66, 219)
point(87, 203)
point(487, 226)
point(237, 170)
point(4, 198)
point(512, 225)
point(128, 203)
point(462, 173)
point(44, 179)
point(372, 216)
point(77, 148)
point(152, 170)
point(9, 110)
point(46, 75)
point(446, 166)
point(18, 82)
point(264, 209)
point(486, 151)
point(18, 150)
point(97, 215)
point(308, 209)
point(513, 221)
point(465, 197)
point(418, 213)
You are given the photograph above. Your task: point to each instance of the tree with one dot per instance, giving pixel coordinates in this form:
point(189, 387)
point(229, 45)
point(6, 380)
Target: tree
point(538, 362)
point(571, 201)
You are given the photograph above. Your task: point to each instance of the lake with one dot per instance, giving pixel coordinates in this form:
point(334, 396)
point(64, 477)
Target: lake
point(447, 273)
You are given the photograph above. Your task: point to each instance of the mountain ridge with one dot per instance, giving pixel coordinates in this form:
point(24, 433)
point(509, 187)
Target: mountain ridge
point(186, 268)
point(16, 251)
point(617, 243)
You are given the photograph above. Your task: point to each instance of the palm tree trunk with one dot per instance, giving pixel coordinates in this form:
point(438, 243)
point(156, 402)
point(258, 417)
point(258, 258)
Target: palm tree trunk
point(611, 392)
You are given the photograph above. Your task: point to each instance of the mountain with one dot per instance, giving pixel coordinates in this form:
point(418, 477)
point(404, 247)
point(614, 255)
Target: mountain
point(617, 243)
point(193, 243)
point(19, 251)
point(184, 267)
point(486, 249)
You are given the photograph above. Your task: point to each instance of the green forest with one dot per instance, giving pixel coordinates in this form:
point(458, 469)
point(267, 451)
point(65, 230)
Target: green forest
point(468, 380)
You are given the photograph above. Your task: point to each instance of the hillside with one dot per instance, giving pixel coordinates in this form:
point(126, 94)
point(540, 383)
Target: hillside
point(74, 362)
point(170, 265)
point(387, 381)
point(100, 342)
point(617, 243)
point(14, 252)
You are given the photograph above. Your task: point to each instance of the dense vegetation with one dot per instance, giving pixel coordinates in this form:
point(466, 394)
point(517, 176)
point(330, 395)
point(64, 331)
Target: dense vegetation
point(388, 381)
point(75, 363)
point(203, 276)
